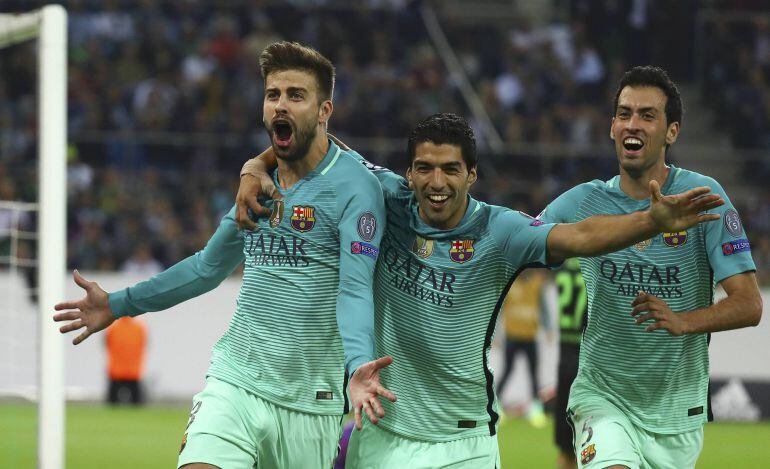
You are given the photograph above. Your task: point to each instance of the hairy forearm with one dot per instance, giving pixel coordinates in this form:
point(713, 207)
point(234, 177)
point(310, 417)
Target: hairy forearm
point(734, 312)
point(600, 234)
point(263, 163)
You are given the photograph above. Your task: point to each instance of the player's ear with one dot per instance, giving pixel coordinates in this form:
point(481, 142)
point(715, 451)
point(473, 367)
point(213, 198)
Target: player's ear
point(325, 112)
point(612, 122)
point(473, 175)
point(672, 132)
point(409, 177)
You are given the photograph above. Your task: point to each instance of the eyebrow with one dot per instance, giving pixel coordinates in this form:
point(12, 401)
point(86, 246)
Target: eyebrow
point(288, 90)
point(451, 165)
point(641, 110)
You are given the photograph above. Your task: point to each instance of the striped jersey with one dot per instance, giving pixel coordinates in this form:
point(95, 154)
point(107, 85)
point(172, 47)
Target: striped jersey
point(306, 291)
point(658, 380)
point(437, 298)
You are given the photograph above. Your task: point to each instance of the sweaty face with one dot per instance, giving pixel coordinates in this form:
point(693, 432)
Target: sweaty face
point(291, 112)
point(440, 179)
point(640, 129)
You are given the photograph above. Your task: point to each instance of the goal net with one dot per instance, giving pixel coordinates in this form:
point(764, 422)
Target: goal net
point(32, 232)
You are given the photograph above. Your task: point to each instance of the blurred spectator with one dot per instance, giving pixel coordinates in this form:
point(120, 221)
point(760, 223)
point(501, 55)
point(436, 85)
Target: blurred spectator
point(165, 99)
point(141, 263)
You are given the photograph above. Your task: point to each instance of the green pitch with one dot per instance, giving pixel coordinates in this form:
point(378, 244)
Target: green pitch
point(149, 437)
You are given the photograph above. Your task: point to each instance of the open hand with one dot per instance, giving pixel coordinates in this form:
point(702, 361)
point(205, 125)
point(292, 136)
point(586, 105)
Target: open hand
point(672, 213)
point(364, 390)
point(92, 312)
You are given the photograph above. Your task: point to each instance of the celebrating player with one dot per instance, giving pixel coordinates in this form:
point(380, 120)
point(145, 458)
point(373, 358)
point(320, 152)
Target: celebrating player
point(445, 265)
point(640, 398)
point(274, 392)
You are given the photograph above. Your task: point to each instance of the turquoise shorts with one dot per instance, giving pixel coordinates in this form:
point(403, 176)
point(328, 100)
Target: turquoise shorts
point(605, 436)
point(231, 428)
point(376, 448)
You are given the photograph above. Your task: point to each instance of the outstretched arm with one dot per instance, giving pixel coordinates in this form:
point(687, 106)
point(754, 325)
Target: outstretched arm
point(192, 277)
point(741, 308)
point(601, 234)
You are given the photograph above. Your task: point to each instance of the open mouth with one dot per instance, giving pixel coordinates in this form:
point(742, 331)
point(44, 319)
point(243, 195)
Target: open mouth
point(282, 133)
point(438, 200)
point(632, 144)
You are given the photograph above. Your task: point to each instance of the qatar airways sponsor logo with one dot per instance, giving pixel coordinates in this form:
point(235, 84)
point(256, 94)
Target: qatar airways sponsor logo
point(266, 249)
point(406, 273)
point(630, 278)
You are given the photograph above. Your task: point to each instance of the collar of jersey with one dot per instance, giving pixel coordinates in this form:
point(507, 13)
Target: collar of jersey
point(466, 228)
point(328, 159)
point(614, 185)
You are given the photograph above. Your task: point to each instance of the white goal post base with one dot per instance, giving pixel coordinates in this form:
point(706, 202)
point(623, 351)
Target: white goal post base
point(49, 26)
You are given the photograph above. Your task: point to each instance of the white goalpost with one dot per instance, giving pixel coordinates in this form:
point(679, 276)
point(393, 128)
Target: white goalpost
point(49, 26)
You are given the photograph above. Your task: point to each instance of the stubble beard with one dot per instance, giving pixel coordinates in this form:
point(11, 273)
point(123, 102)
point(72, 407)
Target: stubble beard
point(303, 138)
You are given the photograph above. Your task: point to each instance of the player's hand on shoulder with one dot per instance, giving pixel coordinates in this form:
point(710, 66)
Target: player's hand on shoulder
point(678, 212)
point(647, 307)
point(365, 390)
point(255, 182)
point(252, 187)
point(92, 312)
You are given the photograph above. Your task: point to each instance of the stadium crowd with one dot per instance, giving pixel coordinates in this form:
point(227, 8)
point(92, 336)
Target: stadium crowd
point(165, 103)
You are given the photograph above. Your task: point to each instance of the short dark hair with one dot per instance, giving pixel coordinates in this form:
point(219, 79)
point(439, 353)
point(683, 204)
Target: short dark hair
point(650, 75)
point(284, 55)
point(445, 128)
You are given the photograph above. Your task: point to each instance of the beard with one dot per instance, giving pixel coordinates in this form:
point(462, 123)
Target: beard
point(298, 149)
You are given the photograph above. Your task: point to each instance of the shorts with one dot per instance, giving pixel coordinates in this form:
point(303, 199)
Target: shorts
point(230, 427)
point(604, 436)
point(376, 448)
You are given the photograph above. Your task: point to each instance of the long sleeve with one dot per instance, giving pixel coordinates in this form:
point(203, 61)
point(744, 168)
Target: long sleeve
point(361, 225)
point(194, 276)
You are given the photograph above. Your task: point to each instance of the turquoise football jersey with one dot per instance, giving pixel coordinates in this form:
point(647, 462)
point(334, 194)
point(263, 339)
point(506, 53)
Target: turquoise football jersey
point(437, 298)
point(306, 292)
point(659, 381)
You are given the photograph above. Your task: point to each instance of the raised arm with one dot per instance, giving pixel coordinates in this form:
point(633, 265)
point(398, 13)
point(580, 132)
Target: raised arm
point(601, 234)
point(192, 277)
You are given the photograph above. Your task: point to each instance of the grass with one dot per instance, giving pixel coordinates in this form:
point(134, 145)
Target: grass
point(149, 437)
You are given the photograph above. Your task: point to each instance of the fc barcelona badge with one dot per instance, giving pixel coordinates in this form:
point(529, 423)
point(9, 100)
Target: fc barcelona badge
point(588, 454)
point(675, 240)
point(461, 250)
point(303, 218)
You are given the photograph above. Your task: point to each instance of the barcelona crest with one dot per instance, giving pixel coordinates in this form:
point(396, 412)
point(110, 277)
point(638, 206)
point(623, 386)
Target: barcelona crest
point(461, 250)
point(588, 454)
point(277, 214)
point(675, 240)
point(303, 218)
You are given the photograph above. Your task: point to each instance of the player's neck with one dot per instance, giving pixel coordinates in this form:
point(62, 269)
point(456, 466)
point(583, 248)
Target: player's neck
point(289, 172)
point(637, 185)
